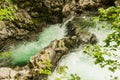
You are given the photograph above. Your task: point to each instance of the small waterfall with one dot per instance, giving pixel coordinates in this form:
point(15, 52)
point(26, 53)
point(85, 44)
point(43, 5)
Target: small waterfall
point(83, 65)
point(23, 52)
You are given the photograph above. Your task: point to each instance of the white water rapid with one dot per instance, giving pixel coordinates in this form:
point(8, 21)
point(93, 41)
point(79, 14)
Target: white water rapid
point(83, 65)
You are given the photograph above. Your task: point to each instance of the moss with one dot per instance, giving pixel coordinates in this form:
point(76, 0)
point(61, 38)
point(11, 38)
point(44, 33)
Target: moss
point(47, 68)
point(5, 54)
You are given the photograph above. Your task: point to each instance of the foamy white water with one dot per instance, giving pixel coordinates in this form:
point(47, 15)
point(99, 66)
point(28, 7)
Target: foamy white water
point(83, 65)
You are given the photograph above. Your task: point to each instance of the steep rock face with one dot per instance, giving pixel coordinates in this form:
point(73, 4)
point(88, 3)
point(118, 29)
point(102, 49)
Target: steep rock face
point(46, 10)
point(54, 10)
point(20, 29)
point(16, 27)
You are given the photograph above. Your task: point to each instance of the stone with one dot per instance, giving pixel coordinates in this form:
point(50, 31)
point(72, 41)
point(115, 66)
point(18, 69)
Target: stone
point(7, 73)
point(79, 27)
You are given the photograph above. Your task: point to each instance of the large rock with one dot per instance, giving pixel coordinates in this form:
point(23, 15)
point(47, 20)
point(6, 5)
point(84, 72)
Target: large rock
point(80, 26)
point(23, 28)
point(7, 73)
point(44, 62)
point(47, 59)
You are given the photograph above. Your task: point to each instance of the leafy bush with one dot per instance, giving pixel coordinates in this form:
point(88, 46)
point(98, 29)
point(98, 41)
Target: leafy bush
point(7, 13)
point(62, 71)
point(102, 54)
point(112, 16)
point(47, 68)
point(99, 53)
point(7, 10)
point(5, 54)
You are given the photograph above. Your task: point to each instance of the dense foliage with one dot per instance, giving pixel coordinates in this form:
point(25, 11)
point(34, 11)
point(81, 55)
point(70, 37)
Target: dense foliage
point(7, 10)
point(107, 55)
point(62, 71)
point(103, 57)
point(112, 16)
point(7, 13)
point(47, 68)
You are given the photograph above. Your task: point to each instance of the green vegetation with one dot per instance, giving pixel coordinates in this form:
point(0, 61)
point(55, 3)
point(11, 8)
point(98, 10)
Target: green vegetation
point(112, 16)
point(74, 77)
point(99, 54)
point(47, 68)
point(85, 23)
point(5, 54)
point(7, 13)
point(62, 71)
point(113, 77)
point(7, 10)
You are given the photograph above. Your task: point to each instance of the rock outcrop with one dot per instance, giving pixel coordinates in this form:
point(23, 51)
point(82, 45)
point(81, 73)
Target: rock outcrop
point(54, 10)
point(20, 29)
point(44, 62)
point(79, 27)
point(7, 73)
